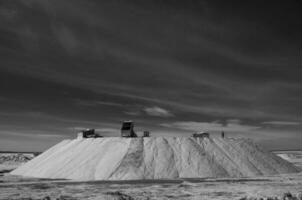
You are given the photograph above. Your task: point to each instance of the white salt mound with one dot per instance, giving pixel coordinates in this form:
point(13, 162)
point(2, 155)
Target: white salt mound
point(10, 161)
point(114, 158)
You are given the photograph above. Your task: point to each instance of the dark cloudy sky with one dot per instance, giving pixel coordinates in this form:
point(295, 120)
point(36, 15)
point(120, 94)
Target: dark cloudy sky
point(172, 66)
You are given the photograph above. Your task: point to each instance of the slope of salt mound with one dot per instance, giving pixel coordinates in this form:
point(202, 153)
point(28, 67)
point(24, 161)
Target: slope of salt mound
point(115, 158)
point(294, 157)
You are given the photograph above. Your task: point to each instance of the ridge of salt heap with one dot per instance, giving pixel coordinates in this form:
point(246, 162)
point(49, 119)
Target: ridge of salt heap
point(115, 158)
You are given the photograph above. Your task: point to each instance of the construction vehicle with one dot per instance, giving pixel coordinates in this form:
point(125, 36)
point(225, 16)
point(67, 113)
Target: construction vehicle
point(127, 129)
point(146, 134)
point(88, 133)
point(201, 135)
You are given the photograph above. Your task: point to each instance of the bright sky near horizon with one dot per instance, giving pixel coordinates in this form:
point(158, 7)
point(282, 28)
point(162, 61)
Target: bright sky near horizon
point(172, 66)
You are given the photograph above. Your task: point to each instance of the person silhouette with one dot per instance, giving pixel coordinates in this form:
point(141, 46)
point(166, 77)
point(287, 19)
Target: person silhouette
point(222, 134)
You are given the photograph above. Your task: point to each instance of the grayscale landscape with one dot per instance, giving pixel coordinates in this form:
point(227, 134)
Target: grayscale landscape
point(19, 187)
point(150, 99)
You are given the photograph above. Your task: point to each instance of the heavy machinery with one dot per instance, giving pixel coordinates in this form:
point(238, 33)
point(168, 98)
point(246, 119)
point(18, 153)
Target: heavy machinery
point(127, 129)
point(146, 134)
point(201, 135)
point(88, 133)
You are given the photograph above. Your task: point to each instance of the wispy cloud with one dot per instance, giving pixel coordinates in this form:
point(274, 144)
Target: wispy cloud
point(98, 74)
point(67, 39)
point(157, 112)
point(34, 134)
point(133, 113)
point(81, 102)
point(230, 126)
point(282, 123)
point(48, 117)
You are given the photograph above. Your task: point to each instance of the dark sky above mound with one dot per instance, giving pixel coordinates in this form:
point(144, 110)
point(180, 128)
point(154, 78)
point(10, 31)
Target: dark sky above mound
point(174, 67)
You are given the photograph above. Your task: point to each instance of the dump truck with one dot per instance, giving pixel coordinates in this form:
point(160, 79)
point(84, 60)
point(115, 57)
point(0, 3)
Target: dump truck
point(127, 129)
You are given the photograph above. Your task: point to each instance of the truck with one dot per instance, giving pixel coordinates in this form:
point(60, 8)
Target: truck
point(88, 133)
point(127, 129)
point(201, 135)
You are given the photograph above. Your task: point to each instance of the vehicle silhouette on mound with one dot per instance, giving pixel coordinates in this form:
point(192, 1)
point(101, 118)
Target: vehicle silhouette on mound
point(201, 135)
point(146, 134)
point(88, 133)
point(127, 129)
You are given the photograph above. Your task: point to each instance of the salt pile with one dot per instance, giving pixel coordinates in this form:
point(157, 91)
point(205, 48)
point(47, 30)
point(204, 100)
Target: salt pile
point(10, 161)
point(114, 158)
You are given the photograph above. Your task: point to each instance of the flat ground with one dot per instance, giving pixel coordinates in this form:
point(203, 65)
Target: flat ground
point(12, 187)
